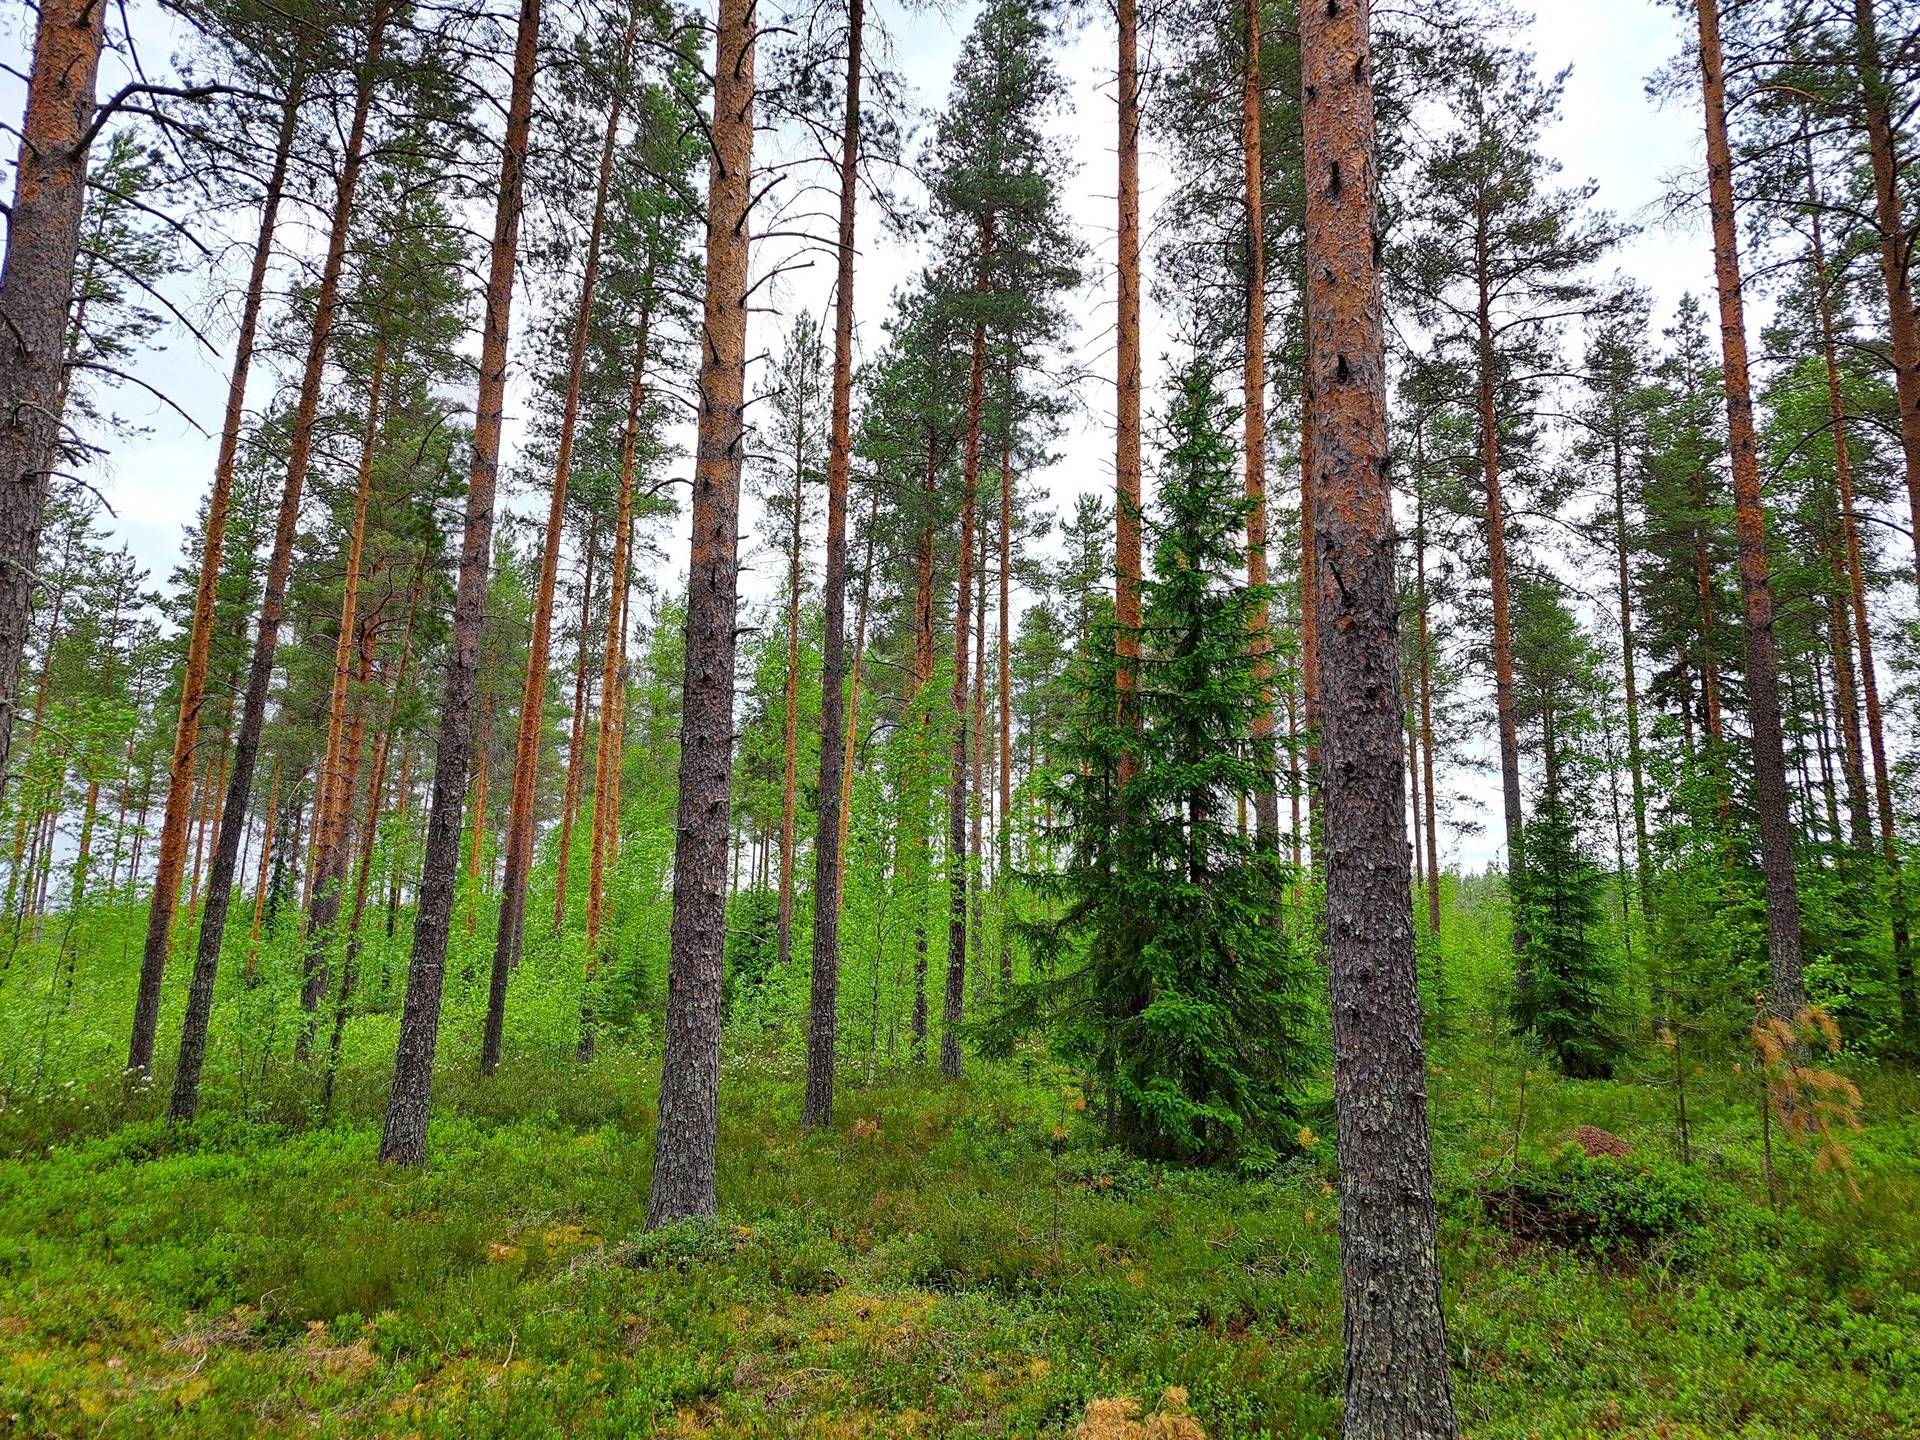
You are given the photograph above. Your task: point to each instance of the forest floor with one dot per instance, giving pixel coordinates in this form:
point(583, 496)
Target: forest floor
point(963, 1259)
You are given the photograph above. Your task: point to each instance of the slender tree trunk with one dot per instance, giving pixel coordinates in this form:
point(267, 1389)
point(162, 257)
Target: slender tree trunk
point(404, 1136)
point(1004, 879)
point(853, 692)
point(334, 880)
point(1126, 509)
point(1641, 853)
point(1896, 249)
point(977, 807)
point(478, 840)
point(836, 759)
point(1851, 573)
point(576, 743)
point(606, 764)
point(193, 684)
point(1496, 526)
point(1426, 725)
point(956, 994)
point(185, 1099)
point(790, 732)
point(335, 799)
point(684, 1150)
point(1266, 800)
point(271, 819)
point(1397, 1386)
point(36, 285)
point(1789, 994)
point(922, 843)
point(526, 756)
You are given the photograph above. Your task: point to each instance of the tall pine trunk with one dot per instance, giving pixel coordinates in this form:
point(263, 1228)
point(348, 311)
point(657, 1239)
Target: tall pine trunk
point(1496, 536)
point(1896, 249)
point(1266, 799)
point(1126, 509)
point(836, 759)
point(1004, 876)
point(533, 694)
point(403, 1137)
point(165, 896)
point(1852, 577)
point(684, 1150)
point(790, 728)
point(253, 707)
point(1397, 1386)
point(576, 744)
point(1788, 988)
point(335, 802)
point(606, 762)
point(36, 283)
point(956, 992)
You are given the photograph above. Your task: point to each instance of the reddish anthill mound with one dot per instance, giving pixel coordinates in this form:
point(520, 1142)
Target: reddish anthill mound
point(1597, 1142)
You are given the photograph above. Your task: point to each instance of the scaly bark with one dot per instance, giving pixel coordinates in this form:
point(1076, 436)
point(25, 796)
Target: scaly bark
point(36, 282)
point(1397, 1386)
point(684, 1150)
point(403, 1137)
point(1788, 988)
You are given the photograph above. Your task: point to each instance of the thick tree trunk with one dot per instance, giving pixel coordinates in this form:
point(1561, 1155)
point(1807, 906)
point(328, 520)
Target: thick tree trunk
point(684, 1150)
point(165, 896)
point(836, 760)
point(1126, 466)
point(1266, 800)
point(1789, 994)
point(1896, 249)
point(533, 694)
point(403, 1138)
point(576, 744)
point(253, 707)
point(1397, 1386)
point(606, 761)
point(36, 284)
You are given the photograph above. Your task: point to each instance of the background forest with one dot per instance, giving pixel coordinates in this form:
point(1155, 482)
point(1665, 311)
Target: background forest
point(686, 856)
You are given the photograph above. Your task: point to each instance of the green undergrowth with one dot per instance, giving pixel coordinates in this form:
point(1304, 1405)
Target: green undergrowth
point(946, 1260)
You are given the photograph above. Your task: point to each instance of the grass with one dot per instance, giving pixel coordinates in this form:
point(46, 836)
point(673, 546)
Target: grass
point(948, 1260)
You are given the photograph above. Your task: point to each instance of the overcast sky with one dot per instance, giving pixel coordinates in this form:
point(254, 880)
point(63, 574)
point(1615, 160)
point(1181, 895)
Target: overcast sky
point(1611, 133)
